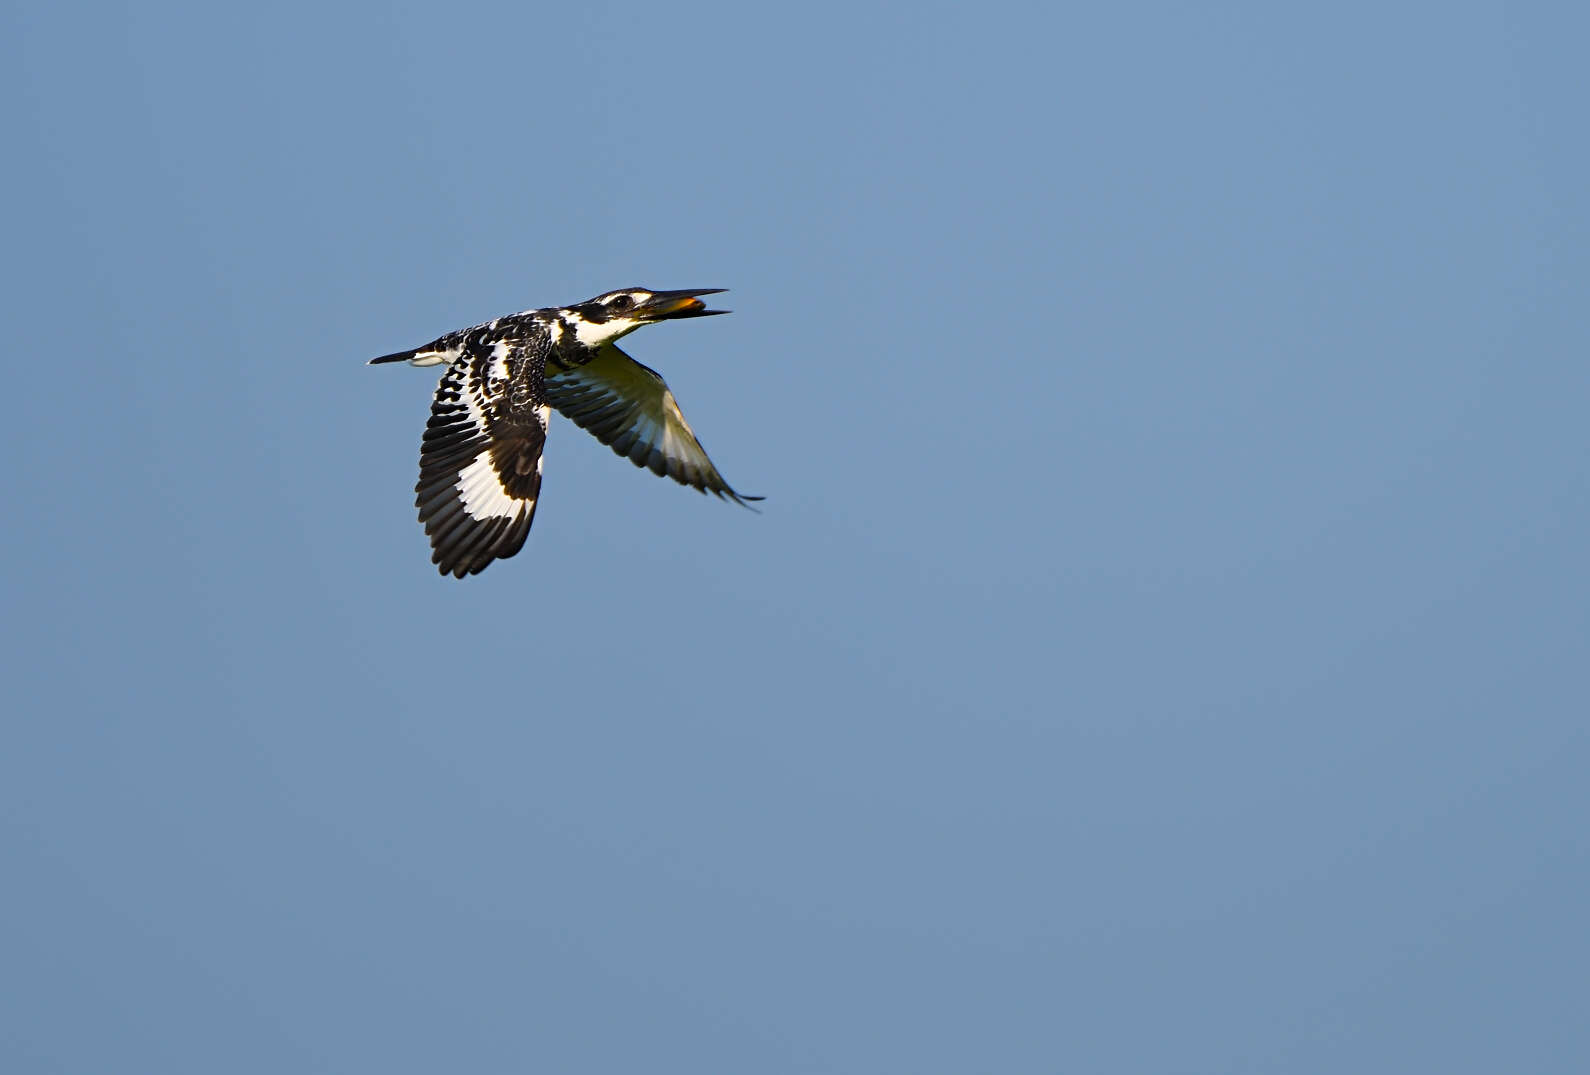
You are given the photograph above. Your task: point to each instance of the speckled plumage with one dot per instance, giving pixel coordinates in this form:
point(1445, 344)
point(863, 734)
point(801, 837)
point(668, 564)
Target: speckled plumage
point(480, 459)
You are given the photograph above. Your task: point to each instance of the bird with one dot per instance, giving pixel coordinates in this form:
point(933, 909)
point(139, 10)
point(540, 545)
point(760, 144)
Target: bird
point(480, 457)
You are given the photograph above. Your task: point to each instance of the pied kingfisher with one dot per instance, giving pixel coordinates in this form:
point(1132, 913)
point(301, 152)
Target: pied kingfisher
point(480, 460)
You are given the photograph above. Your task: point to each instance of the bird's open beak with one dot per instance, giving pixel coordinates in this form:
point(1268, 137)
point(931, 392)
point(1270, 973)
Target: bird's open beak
point(666, 305)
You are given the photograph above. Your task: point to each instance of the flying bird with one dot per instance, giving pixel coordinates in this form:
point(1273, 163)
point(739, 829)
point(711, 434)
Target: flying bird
point(480, 459)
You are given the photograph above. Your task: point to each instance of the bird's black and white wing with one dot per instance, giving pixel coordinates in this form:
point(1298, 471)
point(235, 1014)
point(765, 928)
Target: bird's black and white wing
point(628, 407)
point(480, 461)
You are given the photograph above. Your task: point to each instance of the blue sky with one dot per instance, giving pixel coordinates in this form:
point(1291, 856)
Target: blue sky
point(1163, 648)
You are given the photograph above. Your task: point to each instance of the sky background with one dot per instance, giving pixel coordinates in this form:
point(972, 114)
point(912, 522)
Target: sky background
point(1163, 648)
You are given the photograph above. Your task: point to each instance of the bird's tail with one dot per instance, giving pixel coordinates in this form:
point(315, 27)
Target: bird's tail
point(420, 356)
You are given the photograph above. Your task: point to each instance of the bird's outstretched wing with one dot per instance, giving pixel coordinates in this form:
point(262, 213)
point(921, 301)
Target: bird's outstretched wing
point(480, 461)
point(628, 407)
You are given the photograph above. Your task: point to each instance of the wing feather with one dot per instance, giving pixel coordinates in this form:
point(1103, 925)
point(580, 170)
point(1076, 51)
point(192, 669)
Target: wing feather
point(628, 407)
point(480, 460)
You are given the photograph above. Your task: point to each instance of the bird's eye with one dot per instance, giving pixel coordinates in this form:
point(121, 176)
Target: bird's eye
point(620, 302)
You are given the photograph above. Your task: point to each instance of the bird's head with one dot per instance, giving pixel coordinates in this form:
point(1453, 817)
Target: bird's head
point(618, 313)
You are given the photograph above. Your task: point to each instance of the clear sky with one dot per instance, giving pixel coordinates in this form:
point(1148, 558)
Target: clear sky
point(1163, 648)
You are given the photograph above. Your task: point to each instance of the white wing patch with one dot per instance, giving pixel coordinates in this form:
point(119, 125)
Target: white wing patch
point(482, 493)
point(499, 361)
